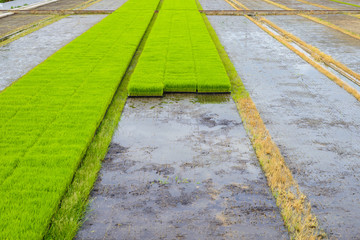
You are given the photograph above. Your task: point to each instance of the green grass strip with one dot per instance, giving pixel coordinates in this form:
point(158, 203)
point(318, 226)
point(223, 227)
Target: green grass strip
point(346, 3)
point(48, 118)
point(68, 218)
point(179, 55)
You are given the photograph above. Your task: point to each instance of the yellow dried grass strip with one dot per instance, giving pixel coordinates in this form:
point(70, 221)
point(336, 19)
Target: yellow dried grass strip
point(294, 206)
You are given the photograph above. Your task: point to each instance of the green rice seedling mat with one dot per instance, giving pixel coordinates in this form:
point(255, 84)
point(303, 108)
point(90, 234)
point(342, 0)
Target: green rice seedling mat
point(49, 117)
point(179, 55)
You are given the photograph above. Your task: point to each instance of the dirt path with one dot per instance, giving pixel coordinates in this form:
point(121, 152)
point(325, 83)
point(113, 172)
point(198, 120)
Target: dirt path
point(181, 167)
point(314, 122)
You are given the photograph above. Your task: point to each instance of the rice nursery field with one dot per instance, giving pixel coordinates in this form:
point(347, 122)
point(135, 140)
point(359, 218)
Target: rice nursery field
point(49, 117)
point(234, 124)
point(179, 55)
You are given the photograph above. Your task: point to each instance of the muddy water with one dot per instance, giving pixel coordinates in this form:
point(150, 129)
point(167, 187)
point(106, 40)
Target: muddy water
point(215, 5)
point(315, 123)
point(181, 167)
point(340, 46)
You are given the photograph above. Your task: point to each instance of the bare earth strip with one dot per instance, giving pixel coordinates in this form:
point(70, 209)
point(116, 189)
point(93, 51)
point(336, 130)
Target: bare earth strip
point(181, 167)
point(313, 121)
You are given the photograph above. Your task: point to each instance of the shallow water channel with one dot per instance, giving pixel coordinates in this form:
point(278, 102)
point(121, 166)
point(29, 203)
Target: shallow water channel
point(181, 167)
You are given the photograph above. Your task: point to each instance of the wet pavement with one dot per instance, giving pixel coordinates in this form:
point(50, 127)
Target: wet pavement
point(340, 46)
point(315, 123)
point(181, 167)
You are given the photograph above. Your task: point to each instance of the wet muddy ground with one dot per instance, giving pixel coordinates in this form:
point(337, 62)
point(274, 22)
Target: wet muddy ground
point(107, 5)
point(340, 46)
point(347, 22)
point(336, 5)
point(215, 5)
point(258, 5)
point(313, 121)
point(294, 4)
point(17, 3)
point(181, 167)
point(327, 3)
point(15, 22)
